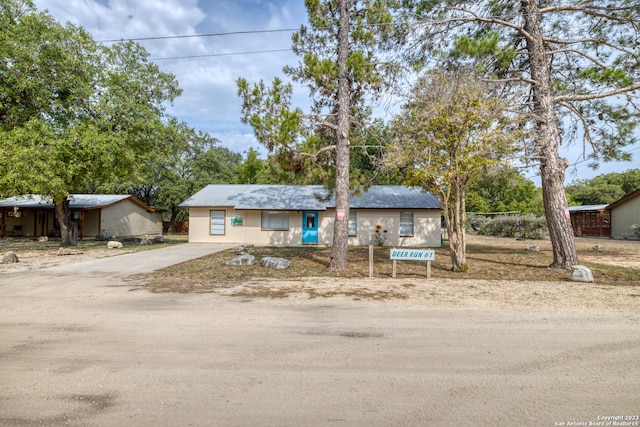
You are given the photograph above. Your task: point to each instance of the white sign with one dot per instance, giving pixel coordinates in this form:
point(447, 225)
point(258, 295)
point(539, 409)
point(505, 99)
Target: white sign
point(413, 254)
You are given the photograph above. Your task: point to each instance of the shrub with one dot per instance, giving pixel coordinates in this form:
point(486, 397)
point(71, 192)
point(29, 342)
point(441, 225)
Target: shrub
point(527, 226)
point(636, 229)
point(379, 236)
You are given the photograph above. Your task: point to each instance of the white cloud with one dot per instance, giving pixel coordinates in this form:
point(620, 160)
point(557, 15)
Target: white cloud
point(209, 101)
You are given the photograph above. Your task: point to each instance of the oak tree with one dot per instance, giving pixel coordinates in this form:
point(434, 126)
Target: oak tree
point(72, 111)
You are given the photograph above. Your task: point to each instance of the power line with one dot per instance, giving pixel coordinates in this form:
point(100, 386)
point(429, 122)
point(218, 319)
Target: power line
point(232, 33)
point(220, 54)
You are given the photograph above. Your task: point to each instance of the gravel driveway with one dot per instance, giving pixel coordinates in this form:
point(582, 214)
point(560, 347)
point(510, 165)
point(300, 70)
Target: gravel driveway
point(79, 347)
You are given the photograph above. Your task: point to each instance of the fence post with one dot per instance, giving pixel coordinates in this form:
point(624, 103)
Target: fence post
point(370, 260)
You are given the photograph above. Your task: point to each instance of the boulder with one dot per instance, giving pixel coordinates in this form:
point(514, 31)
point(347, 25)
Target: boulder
point(599, 247)
point(43, 239)
point(158, 239)
point(242, 249)
point(131, 240)
point(274, 262)
point(242, 260)
point(581, 274)
point(69, 251)
point(114, 245)
point(9, 258)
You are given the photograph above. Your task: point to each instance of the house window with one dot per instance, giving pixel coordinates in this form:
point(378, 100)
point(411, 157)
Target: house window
point(275, 220)
point(406, 223)
point(353, 223)
point(217, 222)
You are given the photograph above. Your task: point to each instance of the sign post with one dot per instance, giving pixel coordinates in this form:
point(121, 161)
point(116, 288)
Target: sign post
point(427, 255)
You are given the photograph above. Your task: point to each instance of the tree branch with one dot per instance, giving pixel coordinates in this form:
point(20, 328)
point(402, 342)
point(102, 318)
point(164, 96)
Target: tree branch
point(478, 18)
point(588, 97)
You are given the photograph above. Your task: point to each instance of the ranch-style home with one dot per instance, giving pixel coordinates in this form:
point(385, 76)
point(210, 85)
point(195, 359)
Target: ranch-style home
point(95, 214)
point(296, 214)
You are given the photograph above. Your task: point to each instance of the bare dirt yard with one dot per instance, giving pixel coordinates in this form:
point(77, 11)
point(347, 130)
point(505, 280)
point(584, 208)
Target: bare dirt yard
point(202, 344)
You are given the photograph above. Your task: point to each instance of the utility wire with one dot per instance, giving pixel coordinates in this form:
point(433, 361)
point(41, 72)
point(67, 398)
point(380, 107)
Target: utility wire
point(220, 54)
point(233, 33)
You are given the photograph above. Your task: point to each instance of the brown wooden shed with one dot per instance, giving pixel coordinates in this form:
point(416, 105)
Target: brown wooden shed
point(591, 220)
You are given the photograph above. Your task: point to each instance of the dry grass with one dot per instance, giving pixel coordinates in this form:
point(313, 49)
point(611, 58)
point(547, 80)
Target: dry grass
point(31, 248)
point(488, 258)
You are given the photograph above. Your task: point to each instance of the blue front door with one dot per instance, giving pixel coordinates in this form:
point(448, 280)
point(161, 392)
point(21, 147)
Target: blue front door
point(310, 227)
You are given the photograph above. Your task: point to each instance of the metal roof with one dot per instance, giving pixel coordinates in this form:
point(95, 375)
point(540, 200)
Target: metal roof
point(76, 201)
point(587, 208)
point(307, 197)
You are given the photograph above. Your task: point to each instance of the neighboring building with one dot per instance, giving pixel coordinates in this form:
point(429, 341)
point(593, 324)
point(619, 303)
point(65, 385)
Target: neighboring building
point(110, 214)
point(624, 213)
point(293, 215)
point(591, 220)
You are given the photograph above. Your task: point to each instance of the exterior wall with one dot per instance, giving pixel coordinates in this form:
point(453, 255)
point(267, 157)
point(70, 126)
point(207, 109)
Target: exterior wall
point(91, 223)
point(591, 223)
point(426, 228)
point(623, 216)
point(249, 232)
point(129, 219)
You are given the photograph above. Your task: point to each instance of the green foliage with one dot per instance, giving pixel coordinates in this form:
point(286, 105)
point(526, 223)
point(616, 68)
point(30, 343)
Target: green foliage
point(73, 112)
point(303, 143)
point(613, 75)
point(526, 226)
point(254, 170)
point(636, 229)
point(594, 83)
point(462, 268)
point(503, 190)
point(606, 188)
point(486, 52)
point(448, 134)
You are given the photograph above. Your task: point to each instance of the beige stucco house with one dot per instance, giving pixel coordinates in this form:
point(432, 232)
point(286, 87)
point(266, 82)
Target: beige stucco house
point(294, 215)
point(95, 214)
point(624, 213)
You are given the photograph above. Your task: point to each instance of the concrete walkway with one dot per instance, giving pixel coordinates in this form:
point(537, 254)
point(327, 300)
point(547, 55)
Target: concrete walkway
point(141, 262)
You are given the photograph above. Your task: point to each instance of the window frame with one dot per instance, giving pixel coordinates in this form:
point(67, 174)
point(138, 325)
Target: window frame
point(352, 221)
point(224, 224)
point(402, 229)
point(270, 225)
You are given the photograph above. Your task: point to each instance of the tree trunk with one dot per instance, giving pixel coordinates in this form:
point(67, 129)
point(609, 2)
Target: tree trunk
point(340, 227)
point(457, 236)
point(456, 233)
point(68, 228)
point(552, 168)
point(172, 221)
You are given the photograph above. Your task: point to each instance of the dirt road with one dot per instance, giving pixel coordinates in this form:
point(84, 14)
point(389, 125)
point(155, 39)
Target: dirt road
point(86, 350)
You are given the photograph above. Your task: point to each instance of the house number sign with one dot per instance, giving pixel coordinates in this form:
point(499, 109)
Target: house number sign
point(427, 255)
point(413, 254)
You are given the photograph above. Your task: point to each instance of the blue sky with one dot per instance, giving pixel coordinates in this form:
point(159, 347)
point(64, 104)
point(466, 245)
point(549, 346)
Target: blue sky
point(209, 101)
